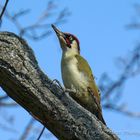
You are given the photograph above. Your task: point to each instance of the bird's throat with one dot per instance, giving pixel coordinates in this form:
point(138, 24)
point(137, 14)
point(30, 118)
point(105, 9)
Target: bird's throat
point(72, 77)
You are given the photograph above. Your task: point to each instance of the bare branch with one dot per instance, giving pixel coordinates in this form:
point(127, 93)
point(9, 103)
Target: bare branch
point(41, 133)
point(3, 97)
point(4, 104)
point(135, 23)
point(3, 9)
point(41, 28)
point(20, 14)
point(112, 90)
point(24, 82)
point(131, 68)
point(122, 109)
point(9, 129)
point(27, 129)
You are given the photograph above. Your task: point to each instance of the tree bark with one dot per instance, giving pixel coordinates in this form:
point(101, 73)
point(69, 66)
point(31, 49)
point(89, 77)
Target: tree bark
point(24, 82)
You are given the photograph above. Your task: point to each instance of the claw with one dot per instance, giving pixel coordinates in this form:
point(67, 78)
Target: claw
point(70, 90)
point(55, 81)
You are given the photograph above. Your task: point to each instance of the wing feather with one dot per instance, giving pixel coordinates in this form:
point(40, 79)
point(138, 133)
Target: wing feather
point(88, 72)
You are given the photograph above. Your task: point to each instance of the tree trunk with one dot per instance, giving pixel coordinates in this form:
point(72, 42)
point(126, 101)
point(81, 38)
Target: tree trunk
point(24, 82)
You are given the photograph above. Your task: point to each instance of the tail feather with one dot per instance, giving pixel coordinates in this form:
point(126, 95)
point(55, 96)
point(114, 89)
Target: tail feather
point(100, 117)
point(98, 109)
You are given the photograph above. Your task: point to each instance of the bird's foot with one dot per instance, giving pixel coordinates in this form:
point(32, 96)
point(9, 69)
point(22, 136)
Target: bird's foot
point(70, 90)
point(65, 90)
point(74, 93)
point(55, 81)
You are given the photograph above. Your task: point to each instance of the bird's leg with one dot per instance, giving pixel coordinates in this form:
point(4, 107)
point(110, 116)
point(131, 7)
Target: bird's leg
point(74, 93)
point(62, 88)
point(70, 90)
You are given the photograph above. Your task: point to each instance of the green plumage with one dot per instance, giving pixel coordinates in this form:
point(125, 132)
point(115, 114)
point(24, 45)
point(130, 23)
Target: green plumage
point(77, 74)
point(84, 67)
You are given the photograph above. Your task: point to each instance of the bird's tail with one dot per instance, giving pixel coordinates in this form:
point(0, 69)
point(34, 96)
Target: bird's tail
point(98, 111)
point(100, 117)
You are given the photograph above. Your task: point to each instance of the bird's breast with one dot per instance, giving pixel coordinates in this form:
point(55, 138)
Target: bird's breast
point(72, 77)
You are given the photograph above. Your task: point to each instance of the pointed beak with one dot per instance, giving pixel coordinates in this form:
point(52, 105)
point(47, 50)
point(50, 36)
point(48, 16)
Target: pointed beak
point(58, 32)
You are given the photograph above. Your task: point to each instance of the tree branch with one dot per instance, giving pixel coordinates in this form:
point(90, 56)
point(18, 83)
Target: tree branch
point(39, 29)
point(24, 82)
point(3, 9)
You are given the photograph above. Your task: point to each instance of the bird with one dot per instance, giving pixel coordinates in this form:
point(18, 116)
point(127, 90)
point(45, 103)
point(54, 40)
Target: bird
point(77, 74)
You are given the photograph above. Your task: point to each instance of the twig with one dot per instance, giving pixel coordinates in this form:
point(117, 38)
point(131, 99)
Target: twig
point(27, 129)
point(3, 97)
point(41, 133)
point(130, 68)
point(122, 109)
point(112, 90)
point(9, 129)
point(2, 104)
point(41, 28)
point(3, 9)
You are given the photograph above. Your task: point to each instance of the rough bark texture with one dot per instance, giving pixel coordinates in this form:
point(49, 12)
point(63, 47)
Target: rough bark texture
point(24, 82)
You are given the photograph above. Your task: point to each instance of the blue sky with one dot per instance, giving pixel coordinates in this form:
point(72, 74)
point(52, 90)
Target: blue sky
point(100, 27)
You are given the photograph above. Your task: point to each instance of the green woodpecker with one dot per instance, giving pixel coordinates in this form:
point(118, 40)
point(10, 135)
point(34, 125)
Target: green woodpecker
point(77, 74)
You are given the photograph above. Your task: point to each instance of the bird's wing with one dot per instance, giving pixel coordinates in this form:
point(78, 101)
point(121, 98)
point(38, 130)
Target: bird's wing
point(88, 72)
point(92, 88)
point(98, 111)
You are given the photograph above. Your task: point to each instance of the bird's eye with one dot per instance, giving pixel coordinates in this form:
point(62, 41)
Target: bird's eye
point(70, 38)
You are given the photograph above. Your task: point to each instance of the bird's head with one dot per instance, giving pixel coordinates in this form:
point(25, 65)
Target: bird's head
point(69, 43)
